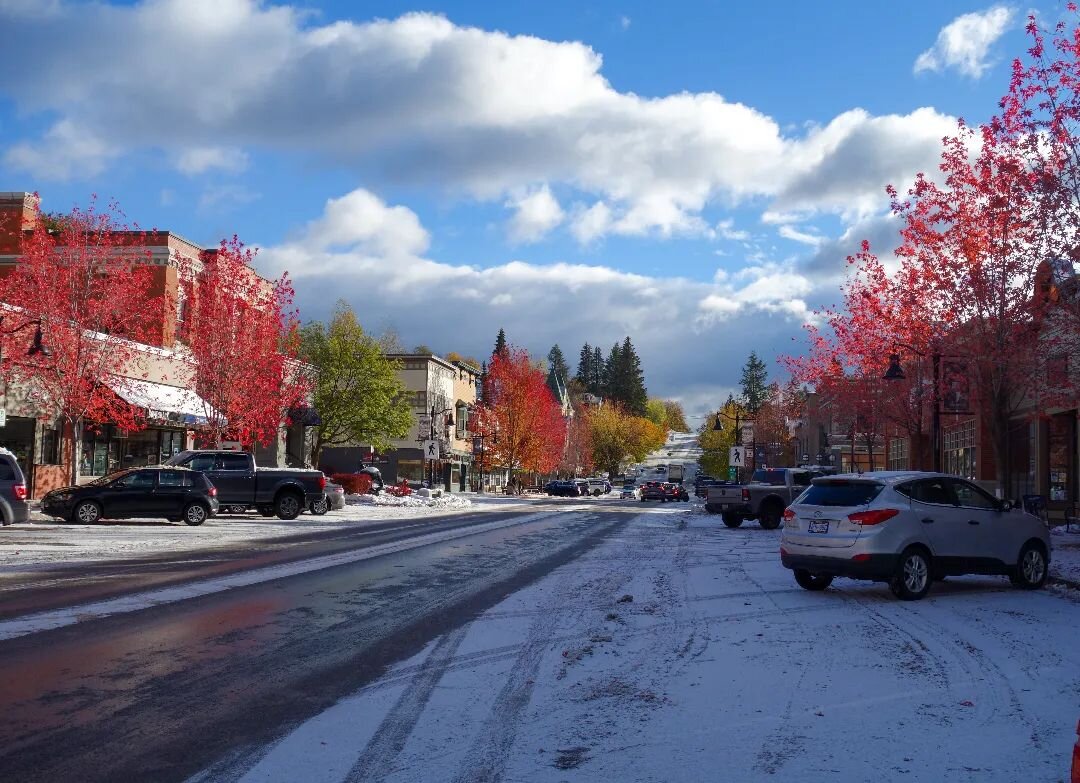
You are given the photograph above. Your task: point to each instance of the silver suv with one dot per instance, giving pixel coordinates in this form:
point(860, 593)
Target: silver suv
point(13, 507)
point(907, 529)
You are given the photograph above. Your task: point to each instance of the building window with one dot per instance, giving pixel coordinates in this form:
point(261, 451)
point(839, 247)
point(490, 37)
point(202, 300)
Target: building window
point(1059, 458)
point(51, 447)
point(183, 306)
point(960, 450)
point(898, 454)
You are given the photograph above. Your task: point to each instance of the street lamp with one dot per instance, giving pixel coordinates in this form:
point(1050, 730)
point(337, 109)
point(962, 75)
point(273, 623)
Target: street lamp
point(718, 426)
point(431, 435)
point(896, 373)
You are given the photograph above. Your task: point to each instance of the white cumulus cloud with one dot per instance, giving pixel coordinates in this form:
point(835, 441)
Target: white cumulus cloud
point(536, 213)
point(964, 43)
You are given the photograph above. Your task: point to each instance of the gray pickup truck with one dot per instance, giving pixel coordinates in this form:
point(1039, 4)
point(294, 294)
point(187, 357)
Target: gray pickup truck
point(240, 485)
point(769, 492)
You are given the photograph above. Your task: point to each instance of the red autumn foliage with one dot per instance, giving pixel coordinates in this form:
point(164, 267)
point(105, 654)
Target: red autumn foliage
point(242, 332)
point(519, 408)
point(89, 283)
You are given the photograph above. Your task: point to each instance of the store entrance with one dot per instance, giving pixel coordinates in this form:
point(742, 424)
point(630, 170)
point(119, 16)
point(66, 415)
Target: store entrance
point(17, 436)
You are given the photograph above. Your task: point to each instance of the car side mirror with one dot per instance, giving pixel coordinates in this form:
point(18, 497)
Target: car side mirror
point(1006, 505)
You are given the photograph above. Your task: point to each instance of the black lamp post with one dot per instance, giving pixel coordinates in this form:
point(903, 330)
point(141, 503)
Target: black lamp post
point(431, 435)
point(482, 437)
point(718, 426)
point(896, 373)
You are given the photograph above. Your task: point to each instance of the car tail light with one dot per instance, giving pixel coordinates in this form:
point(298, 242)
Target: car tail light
point(213, 492)
point(20, 491)
point(788, 514)
point(783, 552)
point(861, 558)
point(322, 481)
point(746, 496)
point(875, 517)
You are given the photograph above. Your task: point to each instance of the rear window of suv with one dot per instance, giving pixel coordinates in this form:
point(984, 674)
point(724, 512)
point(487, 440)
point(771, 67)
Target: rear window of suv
point(840, 493)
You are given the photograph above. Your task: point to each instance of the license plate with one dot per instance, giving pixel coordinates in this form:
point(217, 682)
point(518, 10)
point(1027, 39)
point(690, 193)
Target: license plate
point(819, 526)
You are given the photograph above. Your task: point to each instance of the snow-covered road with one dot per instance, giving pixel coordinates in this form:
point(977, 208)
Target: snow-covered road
point(679, 650)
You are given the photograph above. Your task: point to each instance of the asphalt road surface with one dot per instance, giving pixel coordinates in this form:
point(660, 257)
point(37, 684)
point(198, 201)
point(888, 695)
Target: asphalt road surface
point(162, 692)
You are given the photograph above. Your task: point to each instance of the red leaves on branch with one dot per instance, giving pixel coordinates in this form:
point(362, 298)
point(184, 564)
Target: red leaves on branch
point(242, 332)
point(520, 411)
point(85, 276)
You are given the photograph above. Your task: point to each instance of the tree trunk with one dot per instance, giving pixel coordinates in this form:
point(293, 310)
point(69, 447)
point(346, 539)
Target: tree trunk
point(75, 441)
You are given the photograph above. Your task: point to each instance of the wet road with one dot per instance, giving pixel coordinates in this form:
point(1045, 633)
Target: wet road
point(161, 693)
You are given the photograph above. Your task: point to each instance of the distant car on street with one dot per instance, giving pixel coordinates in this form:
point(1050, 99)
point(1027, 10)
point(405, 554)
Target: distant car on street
point(13, 507)
point(908, 529)
point(562, 489)
point(627, 492)
point(653, 490)
point(332, 500)
point(173, 493)
point(599, 486)
point(676, 491)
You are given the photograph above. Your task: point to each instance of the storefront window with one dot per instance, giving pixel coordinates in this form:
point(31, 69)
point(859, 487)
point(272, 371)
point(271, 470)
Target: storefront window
point(1059, 459)
point(51, 447)
point(141, 449)
point(960, 450)
point(17, 436)
point(411, 469)
point(100, 454)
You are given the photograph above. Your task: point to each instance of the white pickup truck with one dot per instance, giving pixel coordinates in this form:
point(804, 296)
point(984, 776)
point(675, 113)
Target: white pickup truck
point(764, 498)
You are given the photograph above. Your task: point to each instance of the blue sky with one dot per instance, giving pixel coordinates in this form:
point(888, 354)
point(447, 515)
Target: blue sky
point(689, 173)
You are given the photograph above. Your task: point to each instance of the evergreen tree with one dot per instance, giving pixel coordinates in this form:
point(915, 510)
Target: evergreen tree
point(557, 363)
point(500, 344)
point(755, 384)
point(584, 369)
point(613, 381)
point(633, 379)
point(598, 372)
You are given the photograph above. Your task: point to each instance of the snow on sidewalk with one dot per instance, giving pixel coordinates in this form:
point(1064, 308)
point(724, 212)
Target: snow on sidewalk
point(679, 650)
point(45, 542)
point(1065, 555)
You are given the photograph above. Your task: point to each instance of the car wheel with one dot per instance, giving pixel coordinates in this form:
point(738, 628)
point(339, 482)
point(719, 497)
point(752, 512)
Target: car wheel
point(1030, 571)
point(732, 520)
point(912, 578)
point(288, 506)
point(195, 514)
point(87, 513)
point(770, 516)
point(266, 511)
point(813, 582)
point(320, 507)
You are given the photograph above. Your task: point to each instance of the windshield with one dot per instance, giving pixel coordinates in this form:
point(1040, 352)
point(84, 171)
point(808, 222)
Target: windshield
point(775, 477)
point(840, 493)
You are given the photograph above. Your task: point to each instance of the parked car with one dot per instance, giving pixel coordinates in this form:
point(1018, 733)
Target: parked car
point(599, 486)
point(332, 500)
point(563, 489)
point(908, 529)
point(174, 493)
point(270, 491)
point(583, 487)
point(653, 490)
point(764, 498)
point(13, 507)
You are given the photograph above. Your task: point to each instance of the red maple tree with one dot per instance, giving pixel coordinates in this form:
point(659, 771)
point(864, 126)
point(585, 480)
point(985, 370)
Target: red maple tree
point(84, 280)
point(520, 410)
point(242, 331)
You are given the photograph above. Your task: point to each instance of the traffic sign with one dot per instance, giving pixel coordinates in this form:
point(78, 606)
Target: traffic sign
point(3, 417)
point(431, 449)
point(736, 456)
point(732, 474)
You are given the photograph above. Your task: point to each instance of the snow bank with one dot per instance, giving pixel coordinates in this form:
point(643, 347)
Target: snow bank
point(410, 501)
point(1065, 555)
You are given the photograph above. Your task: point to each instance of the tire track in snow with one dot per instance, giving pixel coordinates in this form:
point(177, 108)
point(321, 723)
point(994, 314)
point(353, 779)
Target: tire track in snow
point(486, 759)
point(389, 739)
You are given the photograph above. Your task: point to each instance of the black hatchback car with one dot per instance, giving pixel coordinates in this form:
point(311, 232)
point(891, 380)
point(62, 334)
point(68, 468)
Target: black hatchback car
point(177, 494)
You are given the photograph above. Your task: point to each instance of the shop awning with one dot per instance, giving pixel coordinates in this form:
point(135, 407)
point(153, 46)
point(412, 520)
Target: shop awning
point(162, 402)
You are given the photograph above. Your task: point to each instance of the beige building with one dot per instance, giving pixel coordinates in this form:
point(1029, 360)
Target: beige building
point(434, 385)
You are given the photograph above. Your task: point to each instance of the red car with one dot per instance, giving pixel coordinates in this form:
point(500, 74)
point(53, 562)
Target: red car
point(676, 492)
